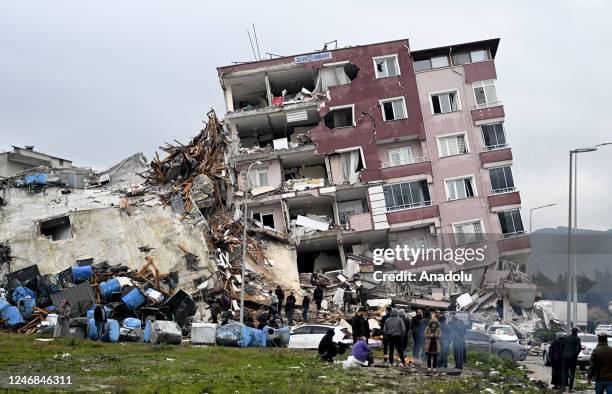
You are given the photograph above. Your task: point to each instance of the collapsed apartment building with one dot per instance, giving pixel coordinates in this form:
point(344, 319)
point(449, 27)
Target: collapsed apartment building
point(337, 153)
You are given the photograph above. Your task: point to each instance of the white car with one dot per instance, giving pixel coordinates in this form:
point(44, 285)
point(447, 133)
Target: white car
point(503, 333)
point(309, 336)
point(604, 329)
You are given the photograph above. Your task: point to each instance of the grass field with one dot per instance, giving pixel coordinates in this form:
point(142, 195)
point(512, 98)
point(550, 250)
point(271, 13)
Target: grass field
point(134, 367)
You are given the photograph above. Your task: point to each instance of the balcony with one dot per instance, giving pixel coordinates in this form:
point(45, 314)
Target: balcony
point(513, 243)
point(488, 113)
point(503, 198)
point(398, 169)
point(413, 212)
point(493, 154)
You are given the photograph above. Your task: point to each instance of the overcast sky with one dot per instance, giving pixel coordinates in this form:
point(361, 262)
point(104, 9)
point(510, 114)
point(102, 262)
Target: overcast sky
point(97, 81)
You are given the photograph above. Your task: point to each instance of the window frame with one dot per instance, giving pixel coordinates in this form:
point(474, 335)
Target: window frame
point(401, 161)
point(463, 223)
point(381, 102)
point(351, 106)
point(397, 66)
point(472, 179)
point(514, 233)
point(261, 215)
point(506, 189)
point(442, 92)
point(482, 84)
point(465, 140)
point(395, 208)
point(257, 171)
point(493, 147)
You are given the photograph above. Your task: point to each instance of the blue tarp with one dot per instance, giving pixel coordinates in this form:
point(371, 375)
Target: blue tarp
point(38, 179)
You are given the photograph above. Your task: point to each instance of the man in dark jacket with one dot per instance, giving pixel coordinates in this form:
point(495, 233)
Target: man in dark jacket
point(362, 295)
point(601, 366)
point(445, 339)
point(395, 329)
point(100, 320)
point(360, 326)
point(289, 307)
point(382, 325)
point(305, 306)
point(281, 296)
point(458, 329)
point(318, 297)
point(402, 316)
point(347, 298)
point(328, 349)
point(215, 309)
point(571, 350)
point(417, 341)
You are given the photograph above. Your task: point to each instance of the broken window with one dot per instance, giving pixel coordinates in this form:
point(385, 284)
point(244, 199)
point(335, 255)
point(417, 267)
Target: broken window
point(258, 177)
point(56, 229)
point(460, 188)
point(406, 195)
point(386, 66)
point(340, 117)
point(348, 208)
point(335, 74)
point(485, 93)
point(501, 179)
point(511, 223)
point(350, 164)
point(467, 233)
point(266, 219)
point(452, 145)
point(429, 63)
point(442, 103)
point(393, 109)
point(494, 136)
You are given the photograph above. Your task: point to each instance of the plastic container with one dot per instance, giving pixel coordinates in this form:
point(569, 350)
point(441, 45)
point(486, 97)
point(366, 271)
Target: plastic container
point(109, 287)
point(134, 299)
point(131, 322)
point(81, 274)
point(146, 335)
point(203, 333)
point(234, 334)
point(167, 332)
point(111, 330)
point(277, 337)
point(90, 311)
point(11, 316)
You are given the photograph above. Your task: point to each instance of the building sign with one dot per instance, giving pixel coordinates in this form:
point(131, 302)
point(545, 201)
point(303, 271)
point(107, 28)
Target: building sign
point(313, 57)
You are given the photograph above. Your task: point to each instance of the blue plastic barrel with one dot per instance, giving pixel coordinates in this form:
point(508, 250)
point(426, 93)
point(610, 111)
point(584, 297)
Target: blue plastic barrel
point(92, 332)
point(146, 335)
point(131, 322)
point(11, 316)
point(109, 287)
point(111, 330)
point(134, 299)
point(81, 274)
point(4, 304)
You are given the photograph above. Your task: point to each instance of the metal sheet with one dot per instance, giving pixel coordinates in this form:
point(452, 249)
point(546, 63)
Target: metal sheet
point(81, 298)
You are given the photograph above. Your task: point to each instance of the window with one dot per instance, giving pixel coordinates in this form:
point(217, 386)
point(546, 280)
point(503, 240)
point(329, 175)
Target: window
point(340, 117)
point(258, 177)
point(266, 219)
point(400, 156)
point(406, 195)
point(393, 109)
point(434, 62)
point(452, 145)
point(485, 93)
point(348, 208)
point(467, 233)
point(511, 223)
point(501, 179)
point(494, 136)
point(460, 188)
point(476, 55)
point(442, 103)
point(56, 229)
point(386, 66)
point(416, 242)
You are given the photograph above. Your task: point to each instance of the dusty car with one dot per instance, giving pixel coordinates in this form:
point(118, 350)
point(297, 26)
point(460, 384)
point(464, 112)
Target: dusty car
point(483, 341)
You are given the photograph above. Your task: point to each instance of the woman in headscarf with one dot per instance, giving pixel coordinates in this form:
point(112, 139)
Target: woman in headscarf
point(555, 355)
point(62, 327)
point(328, 349)
point(432, 343)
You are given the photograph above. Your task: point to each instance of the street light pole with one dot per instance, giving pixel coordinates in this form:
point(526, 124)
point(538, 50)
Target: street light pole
point(245, 224)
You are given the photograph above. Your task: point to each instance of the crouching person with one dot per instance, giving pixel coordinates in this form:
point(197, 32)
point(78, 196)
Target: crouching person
point(328, 349)
point(361, 355)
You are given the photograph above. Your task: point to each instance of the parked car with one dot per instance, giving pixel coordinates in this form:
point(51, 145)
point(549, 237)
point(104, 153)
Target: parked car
point(604, 329)
point(483, 341)
point(503, 332)
point(588, 342)
point(309, 336)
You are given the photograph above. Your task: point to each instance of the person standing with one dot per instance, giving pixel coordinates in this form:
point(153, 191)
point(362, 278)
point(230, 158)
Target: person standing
point(402, 316)
point(445, 340)
point(571, 350)
point(215, 309)
point(385, 340)
point(362, 295)
point(289, 308)
point(100, 320)
point(305, 306)
point(458, 329)
point(318, 297)
point(394, 329)
point(62, 327)
point(415, 324)
point(360, 326)
point(274, 303)
point(601, 366)
point(555, 355)
point(347, 298)
point(432, 343)
point(280, 295)
point(422, 326)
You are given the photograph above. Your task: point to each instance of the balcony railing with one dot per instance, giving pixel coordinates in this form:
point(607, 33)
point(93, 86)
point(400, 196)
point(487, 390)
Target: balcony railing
point(396, 163)
point(504, 190)
point(488, 105)
point(513, 235)
point(409, 206)
point(495, 147)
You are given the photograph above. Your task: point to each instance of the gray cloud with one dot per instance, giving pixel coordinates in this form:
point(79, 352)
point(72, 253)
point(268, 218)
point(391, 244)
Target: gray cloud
point(97, 81)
